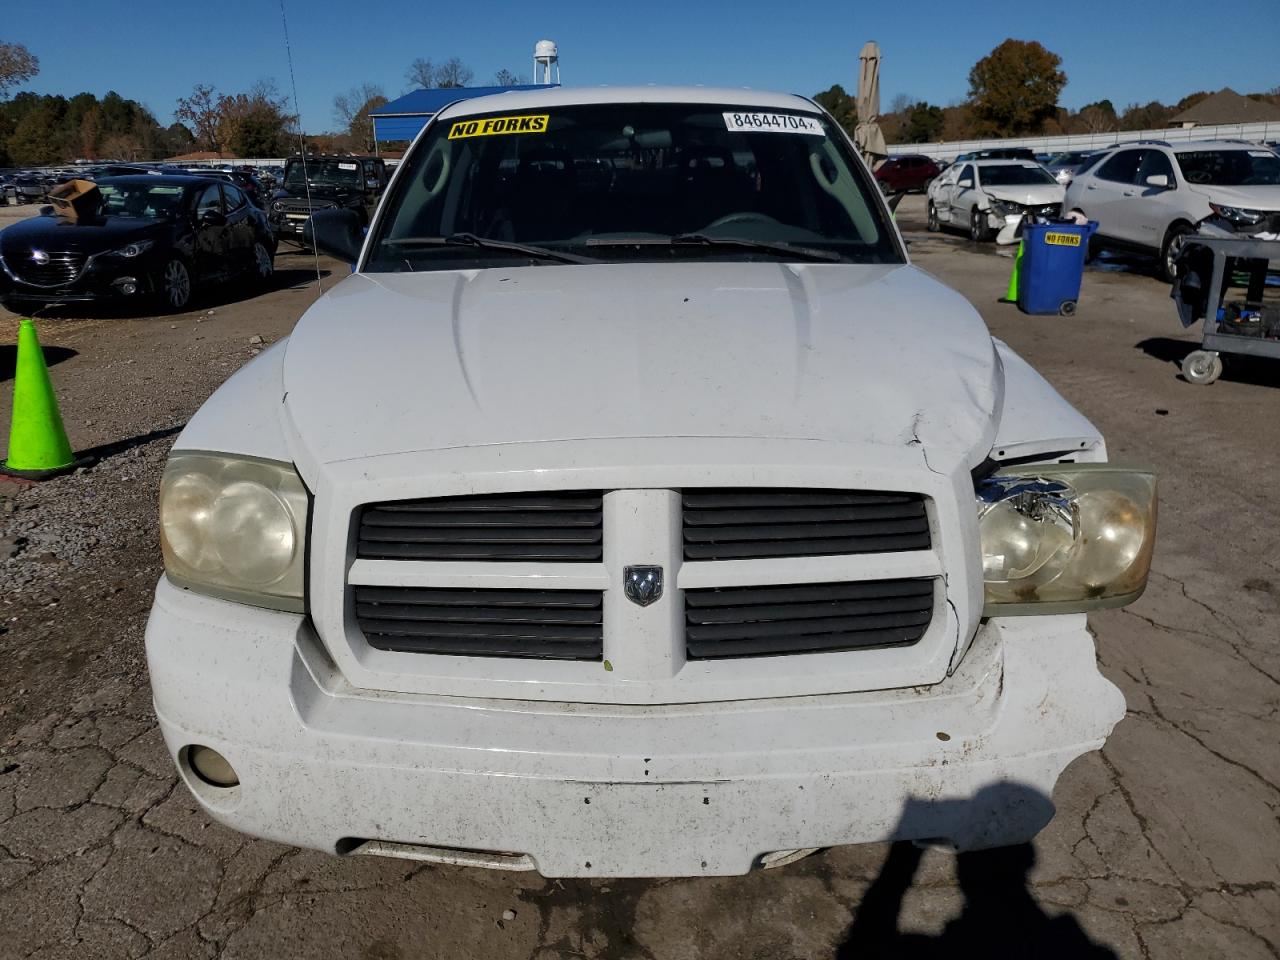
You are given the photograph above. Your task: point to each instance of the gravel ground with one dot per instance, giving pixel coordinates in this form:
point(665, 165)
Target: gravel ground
point(1167, 844)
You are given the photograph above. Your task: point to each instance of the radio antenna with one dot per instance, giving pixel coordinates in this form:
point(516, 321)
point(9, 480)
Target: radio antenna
point(302, 147)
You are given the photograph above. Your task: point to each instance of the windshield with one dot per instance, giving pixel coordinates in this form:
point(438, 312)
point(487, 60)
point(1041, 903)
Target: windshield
point(1014, 174)
point(1065, 159)
point(323, 173)
point(141, 200)
point(632, 182)
point(1230, 168)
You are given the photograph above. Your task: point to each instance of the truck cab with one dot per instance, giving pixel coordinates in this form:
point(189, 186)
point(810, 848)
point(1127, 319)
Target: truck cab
point(313, 183)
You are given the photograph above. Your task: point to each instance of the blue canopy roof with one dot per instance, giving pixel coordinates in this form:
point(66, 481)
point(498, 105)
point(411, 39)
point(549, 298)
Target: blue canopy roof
point(401, 119)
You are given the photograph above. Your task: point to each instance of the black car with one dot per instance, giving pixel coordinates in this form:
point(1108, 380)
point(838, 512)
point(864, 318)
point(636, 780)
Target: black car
point(326, 183)
point(151, 236)
point(253, 188)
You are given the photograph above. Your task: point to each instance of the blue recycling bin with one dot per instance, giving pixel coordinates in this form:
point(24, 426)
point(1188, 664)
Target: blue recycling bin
point(1053, 256)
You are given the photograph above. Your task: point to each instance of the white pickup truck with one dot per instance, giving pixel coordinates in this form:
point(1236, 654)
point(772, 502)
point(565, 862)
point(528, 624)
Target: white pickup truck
point(635, 508)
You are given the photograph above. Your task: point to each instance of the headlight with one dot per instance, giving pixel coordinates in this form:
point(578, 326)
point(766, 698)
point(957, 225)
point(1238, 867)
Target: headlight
point(1065, 538)
point(1239, 215)
point(135, 249)
point(235, 528)
point(277, 206)
point(1004, 208)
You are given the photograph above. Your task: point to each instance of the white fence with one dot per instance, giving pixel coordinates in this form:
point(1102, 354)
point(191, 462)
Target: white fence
point(1252, 132)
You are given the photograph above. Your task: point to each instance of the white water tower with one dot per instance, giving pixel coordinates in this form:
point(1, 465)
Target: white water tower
point(546, 60)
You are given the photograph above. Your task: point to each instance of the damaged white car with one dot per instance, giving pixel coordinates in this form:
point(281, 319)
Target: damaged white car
point(635, 508)
point(992, 198)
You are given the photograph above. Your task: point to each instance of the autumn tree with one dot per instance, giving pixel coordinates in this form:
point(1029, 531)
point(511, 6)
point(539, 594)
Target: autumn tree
point(200, 111)
point(1014, 89)
point(1097, 117)
point(255, 124)
point(351, 112)
point(840, 105)
point(17, 66)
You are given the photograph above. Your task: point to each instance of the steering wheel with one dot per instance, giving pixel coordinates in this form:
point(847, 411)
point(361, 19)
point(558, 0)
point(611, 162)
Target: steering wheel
point(1198, 176)
point(746, 216)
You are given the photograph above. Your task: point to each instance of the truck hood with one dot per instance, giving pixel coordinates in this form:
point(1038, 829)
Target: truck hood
point(400, 362)
point(1248, 197)
point(1031, 195)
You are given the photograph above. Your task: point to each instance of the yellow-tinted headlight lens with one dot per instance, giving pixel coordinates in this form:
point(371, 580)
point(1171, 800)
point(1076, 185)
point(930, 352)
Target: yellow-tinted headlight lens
point(1065, 537)
point(235, 528)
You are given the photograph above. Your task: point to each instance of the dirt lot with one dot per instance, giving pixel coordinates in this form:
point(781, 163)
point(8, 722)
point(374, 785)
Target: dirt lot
point(1167, 844)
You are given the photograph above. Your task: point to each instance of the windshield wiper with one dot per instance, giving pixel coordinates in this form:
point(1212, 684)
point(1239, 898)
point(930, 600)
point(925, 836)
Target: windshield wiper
point(485, 243)
point(787, 250)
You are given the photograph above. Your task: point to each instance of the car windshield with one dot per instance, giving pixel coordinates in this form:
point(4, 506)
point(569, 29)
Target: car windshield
point(1065, 159)
point(1014, 174)
point(1230, 168)
point(633, 181)
point(323, 173)
point(144, 201)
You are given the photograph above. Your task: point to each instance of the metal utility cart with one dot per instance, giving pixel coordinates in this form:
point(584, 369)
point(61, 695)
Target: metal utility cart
point(1223, 281)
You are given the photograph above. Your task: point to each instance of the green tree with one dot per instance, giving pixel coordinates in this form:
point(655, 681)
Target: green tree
point(255, 124)
point(923, 123)
point(37, 138)
point(840, 105)
point(17, 66)
point(1015, 87)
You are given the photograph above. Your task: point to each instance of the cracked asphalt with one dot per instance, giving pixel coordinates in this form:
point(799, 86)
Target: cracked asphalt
point(1165, 845)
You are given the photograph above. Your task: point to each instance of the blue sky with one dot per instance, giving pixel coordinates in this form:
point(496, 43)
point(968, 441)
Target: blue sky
point(1126, 51)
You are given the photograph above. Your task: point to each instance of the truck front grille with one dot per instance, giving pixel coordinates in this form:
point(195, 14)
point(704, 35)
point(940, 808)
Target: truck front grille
point(539, 624)
point(559, 526)
point(806, 618)
point(745, 524)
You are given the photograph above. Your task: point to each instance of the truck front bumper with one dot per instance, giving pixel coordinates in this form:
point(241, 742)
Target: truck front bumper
point(594, 790)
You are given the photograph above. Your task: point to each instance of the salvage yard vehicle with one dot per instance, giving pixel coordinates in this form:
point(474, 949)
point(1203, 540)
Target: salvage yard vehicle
point(1150, 196)
point(636, 508)
point(325, 183)
point(993, 197)
point(903, 174)
point(154, 236)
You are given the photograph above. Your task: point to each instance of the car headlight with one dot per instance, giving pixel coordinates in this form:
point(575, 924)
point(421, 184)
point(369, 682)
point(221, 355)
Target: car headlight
point(135, 249)
point(277, 206)
point(1066, 538)
point(1004, 208)
point(1239, 215)
point(235, 528)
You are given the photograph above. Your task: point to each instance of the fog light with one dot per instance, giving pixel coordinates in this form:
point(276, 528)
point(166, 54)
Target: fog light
point(211, 766)
point(128, 285)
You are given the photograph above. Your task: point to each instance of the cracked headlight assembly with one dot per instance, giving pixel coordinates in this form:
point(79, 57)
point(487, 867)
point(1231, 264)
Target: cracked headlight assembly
point(1239, 216)
point(1065, 538)
point(1005, 208)
point(235, 528)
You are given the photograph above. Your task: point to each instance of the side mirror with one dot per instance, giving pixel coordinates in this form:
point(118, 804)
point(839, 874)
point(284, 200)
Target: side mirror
point(1158, 180)
point(335, 232)
point(967, 184)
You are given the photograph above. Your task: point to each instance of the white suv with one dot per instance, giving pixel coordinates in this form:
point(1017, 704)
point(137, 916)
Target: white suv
point(636, 508)
point(1149, 196)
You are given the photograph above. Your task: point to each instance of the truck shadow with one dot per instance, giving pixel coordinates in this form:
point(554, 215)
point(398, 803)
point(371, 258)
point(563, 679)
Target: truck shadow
point(1000, 918)
point(1257, 371)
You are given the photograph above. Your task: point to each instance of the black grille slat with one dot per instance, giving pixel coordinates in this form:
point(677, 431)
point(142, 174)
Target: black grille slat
point(806, 618)
point(808, 593)
point(560, 526)
point(806, 643)
point(748, 523)
point(538, 624)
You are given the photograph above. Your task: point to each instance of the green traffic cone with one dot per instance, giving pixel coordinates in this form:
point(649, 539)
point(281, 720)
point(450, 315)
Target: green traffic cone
point(38, 446)
point(1012, 295)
